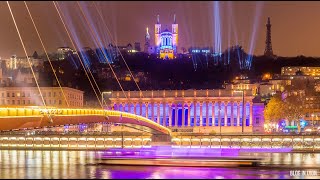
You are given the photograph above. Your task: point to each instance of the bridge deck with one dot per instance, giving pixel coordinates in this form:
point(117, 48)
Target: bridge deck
point(37, 117)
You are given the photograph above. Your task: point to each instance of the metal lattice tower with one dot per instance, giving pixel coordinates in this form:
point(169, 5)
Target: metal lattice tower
point(268, 51)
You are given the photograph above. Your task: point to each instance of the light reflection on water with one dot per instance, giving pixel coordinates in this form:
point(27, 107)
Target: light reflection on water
point(81, 164)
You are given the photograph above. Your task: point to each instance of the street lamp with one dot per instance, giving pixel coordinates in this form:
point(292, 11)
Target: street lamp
point(242, 108)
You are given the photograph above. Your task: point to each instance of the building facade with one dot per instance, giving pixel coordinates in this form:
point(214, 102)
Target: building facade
point(63, 52)
point(194, 110)
point(207, 51)
point(22, 62)
point(308, 71)
point(30, 96)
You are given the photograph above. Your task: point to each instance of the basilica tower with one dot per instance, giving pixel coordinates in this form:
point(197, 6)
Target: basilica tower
point(175, 34)
point(157, 31)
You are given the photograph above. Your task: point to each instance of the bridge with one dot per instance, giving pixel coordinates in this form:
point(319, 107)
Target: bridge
point(36, 117)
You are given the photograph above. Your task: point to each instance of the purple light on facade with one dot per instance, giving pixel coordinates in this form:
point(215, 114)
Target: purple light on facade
point(195, 118)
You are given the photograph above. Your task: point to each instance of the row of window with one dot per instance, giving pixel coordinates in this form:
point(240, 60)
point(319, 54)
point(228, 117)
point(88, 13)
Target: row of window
point(28, 94)
point(29, 102)
point(296, 69)
point(313, 106)
point(75, 96)
point(33, 102)
point(44, 94)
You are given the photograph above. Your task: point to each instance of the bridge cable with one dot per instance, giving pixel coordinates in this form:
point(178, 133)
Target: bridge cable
point(104, 23)
point(60, 15)
point(64, 96)
point(30, 64)
point(96, 39)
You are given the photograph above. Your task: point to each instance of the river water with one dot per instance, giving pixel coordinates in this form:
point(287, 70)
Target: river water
point(28, 164)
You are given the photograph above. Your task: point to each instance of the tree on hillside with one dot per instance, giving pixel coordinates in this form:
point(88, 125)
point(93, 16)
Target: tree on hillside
point(274, 110)
point(293, 109)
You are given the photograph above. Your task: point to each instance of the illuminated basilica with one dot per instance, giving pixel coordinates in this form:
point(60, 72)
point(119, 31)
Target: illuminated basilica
point(166, 41)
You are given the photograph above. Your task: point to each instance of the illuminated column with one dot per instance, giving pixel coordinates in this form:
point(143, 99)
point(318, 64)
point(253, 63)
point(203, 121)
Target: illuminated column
point(238, 114)
point(207, 113)
point(201, 114)
point(189, 109)
point(225, 114)
point(118, 106)
point(135, 107)
point(127, 105)
point(219, 113)
point(164, 116)
point(251, 112)
point(147, 109)
point(152, 111)
point(170, 114)
point(195, 113)
point(123, 107)
point(232, 118)
point(213, 113)
point(245, 115)
point(158, 113)
point(176, 115)
point(183, 116)
point(140, 109)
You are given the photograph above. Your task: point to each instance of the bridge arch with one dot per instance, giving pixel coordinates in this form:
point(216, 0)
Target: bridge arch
point(35, 117)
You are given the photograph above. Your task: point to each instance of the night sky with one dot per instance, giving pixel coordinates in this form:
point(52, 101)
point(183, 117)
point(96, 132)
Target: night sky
point(295, 25)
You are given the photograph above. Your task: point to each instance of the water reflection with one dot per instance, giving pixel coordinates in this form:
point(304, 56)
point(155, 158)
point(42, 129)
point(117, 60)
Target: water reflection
point(81, 164)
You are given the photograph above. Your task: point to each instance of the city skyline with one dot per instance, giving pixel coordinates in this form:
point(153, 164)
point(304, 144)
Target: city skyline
point(114, 90)
point(291, 35)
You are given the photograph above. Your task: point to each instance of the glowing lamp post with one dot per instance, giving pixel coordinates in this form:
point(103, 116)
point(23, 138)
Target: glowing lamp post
point(242, 108)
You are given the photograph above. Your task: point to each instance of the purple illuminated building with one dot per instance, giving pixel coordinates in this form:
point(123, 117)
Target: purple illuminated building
point(199, 111)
